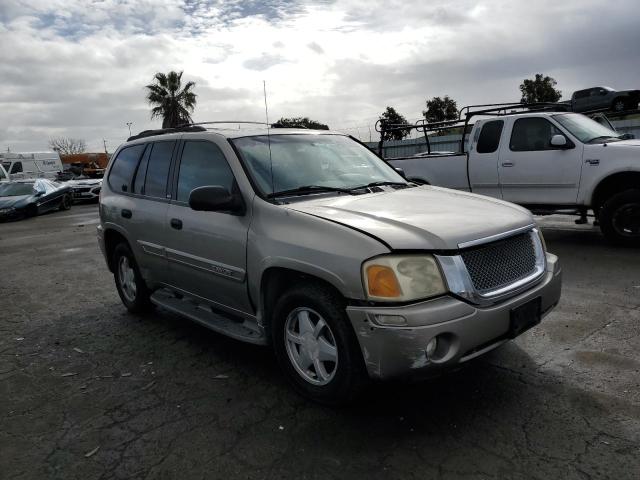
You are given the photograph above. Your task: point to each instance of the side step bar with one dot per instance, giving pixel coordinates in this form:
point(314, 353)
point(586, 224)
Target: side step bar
point(202, 314)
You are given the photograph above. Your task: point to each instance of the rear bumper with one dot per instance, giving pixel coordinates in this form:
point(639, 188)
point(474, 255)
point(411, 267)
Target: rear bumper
point(469, 330)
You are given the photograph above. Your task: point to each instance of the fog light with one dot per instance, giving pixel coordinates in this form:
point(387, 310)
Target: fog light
point(391, 320)
point(432, 346)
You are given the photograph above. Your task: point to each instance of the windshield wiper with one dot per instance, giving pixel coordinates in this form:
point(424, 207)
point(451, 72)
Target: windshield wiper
point(308, 190)
point(381, 184)
point(603, 137)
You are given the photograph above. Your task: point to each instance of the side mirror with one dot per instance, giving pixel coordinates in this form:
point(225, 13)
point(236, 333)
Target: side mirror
point(215, 199)
point(559, 141)
point(400, 171)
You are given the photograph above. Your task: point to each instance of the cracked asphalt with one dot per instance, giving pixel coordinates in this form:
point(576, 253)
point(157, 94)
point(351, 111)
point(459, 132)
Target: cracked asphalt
point(89, 391)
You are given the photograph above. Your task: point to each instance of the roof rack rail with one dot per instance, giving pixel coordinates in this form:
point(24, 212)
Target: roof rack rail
point(165, 131)
point(222, 121)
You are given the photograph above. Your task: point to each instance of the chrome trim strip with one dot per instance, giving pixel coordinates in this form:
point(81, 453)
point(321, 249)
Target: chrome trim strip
point(493, 238)
point(210, 266)
point(152, 248)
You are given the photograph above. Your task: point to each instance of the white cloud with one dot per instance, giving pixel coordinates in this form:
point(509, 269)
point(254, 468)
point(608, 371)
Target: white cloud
point(77, 68)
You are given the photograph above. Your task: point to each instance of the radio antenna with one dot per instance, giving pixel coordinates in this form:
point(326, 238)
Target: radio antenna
point(266, 114)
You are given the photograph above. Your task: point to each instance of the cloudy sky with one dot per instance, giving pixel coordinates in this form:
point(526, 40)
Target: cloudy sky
point(78, 67)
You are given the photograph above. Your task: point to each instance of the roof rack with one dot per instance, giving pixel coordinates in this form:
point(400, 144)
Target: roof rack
point(465, 114)
point(165, 131)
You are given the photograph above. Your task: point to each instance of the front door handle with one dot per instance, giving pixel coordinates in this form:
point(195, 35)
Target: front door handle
point(126, 213)
point(507, 164)
point(176, 223)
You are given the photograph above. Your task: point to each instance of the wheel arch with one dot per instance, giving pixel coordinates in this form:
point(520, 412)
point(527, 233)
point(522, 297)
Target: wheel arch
point(276, 279)
point(614, 183)
point(112, 238)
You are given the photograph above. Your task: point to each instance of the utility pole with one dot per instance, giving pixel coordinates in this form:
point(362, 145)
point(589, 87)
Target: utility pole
point(104, 142)
point(129, 125)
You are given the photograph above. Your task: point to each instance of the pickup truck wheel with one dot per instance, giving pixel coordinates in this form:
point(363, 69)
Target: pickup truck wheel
point(315, 345)
point(620, 218)
point(131, 287)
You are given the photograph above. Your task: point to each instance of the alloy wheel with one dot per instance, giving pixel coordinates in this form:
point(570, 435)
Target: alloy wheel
point(127, 279)
point(311, 346)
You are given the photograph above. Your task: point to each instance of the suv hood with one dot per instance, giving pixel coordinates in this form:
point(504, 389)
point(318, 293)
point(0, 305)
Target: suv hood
point(420, 218)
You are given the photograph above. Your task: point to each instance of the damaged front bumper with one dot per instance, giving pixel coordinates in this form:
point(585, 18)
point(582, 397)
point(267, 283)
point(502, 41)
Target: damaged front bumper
point(464, 331)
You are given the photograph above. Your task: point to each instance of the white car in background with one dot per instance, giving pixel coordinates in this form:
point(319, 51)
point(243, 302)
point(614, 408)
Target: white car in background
point(85, 189)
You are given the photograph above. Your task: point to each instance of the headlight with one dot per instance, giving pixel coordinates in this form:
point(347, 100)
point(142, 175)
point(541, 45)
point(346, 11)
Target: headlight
point(401, 278)
point(7, 210)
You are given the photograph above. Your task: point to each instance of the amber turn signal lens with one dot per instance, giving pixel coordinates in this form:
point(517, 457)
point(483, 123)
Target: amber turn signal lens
point(382, 282)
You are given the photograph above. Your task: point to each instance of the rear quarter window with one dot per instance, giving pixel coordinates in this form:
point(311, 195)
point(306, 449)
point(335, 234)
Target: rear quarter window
point(124, 165)
point(490, 137)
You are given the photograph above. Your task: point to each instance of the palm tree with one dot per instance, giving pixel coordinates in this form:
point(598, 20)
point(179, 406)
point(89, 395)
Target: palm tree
point(172, 103)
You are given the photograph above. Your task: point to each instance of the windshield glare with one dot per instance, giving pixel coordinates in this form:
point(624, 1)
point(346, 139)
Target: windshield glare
point(16, 189)
point(332, 161)
point(583, 128)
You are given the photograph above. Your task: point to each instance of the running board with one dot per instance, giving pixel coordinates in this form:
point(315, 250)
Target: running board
point(200, 313)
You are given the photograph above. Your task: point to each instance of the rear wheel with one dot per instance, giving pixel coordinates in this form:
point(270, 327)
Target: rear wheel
point(316, 346)
point(620, 218)
point(131, 287)
point(65, 204)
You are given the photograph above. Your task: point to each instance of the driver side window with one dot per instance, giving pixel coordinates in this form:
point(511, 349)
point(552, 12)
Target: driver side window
point(532, 135)
point(202, 164)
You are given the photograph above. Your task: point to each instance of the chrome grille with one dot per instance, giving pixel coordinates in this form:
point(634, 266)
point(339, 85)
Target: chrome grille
point(499, 264)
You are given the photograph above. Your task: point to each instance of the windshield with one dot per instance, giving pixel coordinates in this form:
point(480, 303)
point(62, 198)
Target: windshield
point(16, 189)
point(583, 128)
point(332, 161)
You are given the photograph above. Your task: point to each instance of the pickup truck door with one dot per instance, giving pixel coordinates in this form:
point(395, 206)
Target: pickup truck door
point(484, 156)
point(206, 250)
point(531, 171)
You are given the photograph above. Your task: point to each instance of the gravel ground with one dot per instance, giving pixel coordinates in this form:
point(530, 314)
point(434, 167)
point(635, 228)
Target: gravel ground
point(90, 391)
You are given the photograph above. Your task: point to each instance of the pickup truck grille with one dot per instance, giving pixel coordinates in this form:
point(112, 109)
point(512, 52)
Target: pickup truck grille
point(499, 264)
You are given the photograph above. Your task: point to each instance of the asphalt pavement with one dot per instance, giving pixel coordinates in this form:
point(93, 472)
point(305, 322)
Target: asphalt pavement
point(89, 391)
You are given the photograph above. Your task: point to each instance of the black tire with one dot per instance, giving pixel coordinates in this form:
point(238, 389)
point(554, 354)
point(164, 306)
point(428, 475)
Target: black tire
point(349, 375)
point(618, 105)
point(619, 218)
point(140, 301)
point(65, 203)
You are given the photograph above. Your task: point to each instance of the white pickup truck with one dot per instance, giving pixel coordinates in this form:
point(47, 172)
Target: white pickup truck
point(549, 162)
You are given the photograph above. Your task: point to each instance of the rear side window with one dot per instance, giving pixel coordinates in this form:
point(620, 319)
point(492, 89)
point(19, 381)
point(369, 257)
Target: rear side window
point(490, 137)
point(202, 164)
point(16, 168)
point(581, 94)
point(123, 167)
point(155, 184)
point(532, 134)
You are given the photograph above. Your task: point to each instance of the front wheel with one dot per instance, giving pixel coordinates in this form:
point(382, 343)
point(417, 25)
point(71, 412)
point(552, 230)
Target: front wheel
point(618, 105)
point(620, 218)
point(65, 204)
point(131, 287)
point(316, 346)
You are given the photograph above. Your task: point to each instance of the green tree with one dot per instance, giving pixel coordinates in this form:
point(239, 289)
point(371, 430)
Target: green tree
point(540, 89)
point(297, 122)
point(441, 109)
point(392, 119)
point(170, 100)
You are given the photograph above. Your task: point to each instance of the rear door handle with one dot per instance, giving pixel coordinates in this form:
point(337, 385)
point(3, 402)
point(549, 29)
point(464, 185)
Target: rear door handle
point(176, 223)
point(126, 213)
point(507, 164)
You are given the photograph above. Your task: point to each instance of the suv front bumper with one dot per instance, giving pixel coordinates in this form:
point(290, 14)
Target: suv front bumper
point(467, 330)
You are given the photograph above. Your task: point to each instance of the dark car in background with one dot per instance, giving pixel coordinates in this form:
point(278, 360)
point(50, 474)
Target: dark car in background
point(598, 98)
point(28, 198)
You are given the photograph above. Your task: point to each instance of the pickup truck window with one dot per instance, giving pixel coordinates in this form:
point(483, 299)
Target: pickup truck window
point(16, 168)
point(532, 134)
point(584, 128)
point(202, 164)
point(490, 136)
